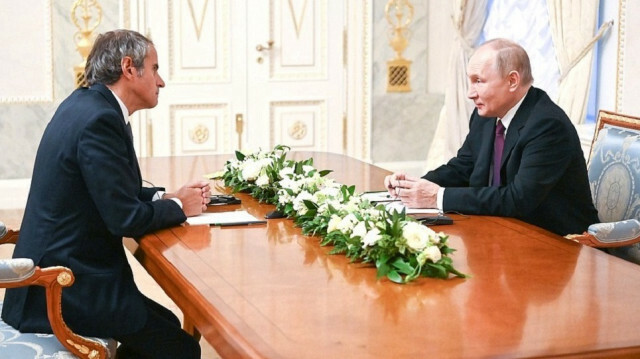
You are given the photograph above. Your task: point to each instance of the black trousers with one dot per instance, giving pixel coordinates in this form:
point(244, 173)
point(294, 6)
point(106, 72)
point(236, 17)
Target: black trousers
point(161, 337)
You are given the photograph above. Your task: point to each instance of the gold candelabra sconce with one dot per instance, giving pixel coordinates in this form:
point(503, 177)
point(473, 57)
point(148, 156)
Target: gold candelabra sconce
point(399, 14)
point(86, 16)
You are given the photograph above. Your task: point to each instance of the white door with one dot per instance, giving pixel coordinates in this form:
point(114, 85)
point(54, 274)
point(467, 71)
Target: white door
point(296, 92)
point(249, 74)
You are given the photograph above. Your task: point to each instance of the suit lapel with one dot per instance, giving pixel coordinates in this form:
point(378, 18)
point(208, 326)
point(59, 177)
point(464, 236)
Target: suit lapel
point(481, 130)
point(106, 93)
point(518, 122)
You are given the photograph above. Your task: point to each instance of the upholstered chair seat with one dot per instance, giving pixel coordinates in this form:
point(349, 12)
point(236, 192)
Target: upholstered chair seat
point(614, 178)
point(14, 344)
point(18, 272)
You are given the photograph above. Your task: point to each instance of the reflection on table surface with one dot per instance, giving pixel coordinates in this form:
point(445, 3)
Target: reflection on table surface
point(267, 290)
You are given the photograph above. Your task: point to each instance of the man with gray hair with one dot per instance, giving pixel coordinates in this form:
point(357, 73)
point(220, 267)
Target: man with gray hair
point(86, 194)
point(522, 157)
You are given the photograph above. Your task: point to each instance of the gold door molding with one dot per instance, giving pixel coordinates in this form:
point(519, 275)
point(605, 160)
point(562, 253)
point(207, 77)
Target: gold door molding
point(199, 41)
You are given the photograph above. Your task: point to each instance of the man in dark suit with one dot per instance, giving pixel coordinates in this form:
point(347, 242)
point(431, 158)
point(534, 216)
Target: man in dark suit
point(86, 194)
point(534, 170)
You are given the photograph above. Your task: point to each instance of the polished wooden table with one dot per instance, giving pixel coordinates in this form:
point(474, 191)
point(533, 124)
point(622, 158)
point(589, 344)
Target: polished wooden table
point(269, 291)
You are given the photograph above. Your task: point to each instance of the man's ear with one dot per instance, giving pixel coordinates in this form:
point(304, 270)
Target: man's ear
point(514, 80)
point(128, 70)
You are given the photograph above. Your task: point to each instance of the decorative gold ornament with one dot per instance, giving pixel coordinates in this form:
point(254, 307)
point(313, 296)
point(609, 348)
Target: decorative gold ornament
point(199, 134)
point(298, 130)
point(239, 128)
point(82, 348)
point(91, 14)
point(64, 278)
point(399, 68)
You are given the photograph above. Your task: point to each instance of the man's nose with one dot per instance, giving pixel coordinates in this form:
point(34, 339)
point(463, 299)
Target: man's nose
point(160, 81)
point(471, 92)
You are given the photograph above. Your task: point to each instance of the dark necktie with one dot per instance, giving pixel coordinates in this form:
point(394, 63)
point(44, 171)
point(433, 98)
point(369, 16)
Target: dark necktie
point(129, 132)
point(498, 146)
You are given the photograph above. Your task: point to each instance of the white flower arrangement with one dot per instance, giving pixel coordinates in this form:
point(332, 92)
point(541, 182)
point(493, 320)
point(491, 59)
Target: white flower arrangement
point(401, 248)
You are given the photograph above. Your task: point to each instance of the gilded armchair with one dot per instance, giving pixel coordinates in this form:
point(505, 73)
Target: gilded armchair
point(614, 177)
point(64, 343)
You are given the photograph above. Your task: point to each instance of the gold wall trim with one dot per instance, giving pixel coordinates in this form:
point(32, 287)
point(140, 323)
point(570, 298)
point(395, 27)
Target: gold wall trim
point(317, 69)
point(366, 76)
point(622, 20)
point(297, 22)
point(126, 14)
point(198, 25)
point(218, 72)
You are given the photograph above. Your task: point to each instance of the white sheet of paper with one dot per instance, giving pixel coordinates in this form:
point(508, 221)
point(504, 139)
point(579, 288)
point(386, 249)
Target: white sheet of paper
point(224, 218)
point(398, 206)
point(377, 197)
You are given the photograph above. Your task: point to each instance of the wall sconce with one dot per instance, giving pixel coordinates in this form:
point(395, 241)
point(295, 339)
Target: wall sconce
point(91, 14)
point(399, 68)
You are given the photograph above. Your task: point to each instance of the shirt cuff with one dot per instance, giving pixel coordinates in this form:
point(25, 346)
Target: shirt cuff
point(177, 200)
point(158, 195)
point(440, 199)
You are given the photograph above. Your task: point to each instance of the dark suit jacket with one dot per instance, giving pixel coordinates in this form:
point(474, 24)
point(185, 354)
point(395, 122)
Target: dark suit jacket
point(86, 194)
point(543, 171)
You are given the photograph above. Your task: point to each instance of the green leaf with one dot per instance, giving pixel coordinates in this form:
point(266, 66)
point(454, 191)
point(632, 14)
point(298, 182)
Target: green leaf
point(403, 266)
point(383, 269)
point(395, 277)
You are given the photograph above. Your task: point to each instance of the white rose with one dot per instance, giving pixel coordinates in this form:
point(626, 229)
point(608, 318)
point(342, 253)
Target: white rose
point(359, 230)
point(298, 202)
point(333, 223)
point(347, 223)
point(290, 184)
point(432, 253)
point(435, 238)
point(416, 234)
point(285, 172)
point(372, 237)
point(284, 197)
point(331, 192)
point(263, 180)
point(375, 214)
point(251, 171)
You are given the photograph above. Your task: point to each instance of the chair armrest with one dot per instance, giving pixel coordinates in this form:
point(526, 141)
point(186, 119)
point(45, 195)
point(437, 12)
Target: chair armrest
point(8, 235)
point(53, 279)
point(610, 235)
point(16, 269)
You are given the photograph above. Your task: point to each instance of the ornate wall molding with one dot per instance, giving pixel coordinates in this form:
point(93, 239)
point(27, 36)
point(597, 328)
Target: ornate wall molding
point(199, 128)
point(300, 124)
point(628, 72)
point(199, 41)
point(27, 71)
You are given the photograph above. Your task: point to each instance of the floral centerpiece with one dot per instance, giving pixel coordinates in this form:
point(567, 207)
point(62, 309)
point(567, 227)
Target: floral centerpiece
point(401, 248)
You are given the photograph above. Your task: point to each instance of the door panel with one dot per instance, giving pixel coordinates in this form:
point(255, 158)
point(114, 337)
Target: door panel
point(297, 89)
point(290, 92)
